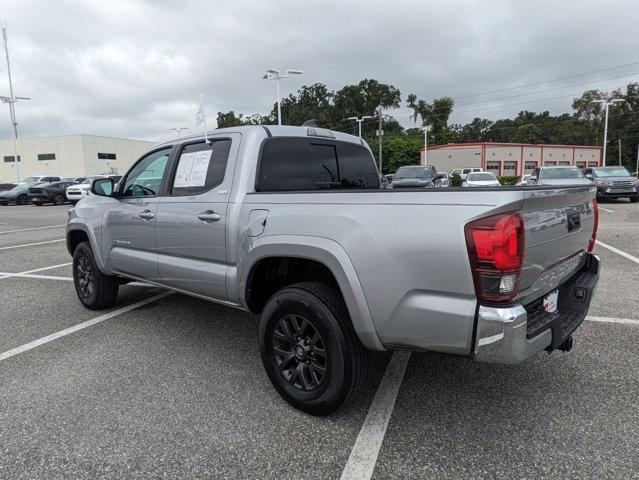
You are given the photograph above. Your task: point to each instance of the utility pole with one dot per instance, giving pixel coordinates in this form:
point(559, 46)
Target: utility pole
point(637, 165)
point(272, 74)
point(426, 129)
point(380, 134)
point(606, 104)
point(11, 100)
point(359, 123)
point(620, 152)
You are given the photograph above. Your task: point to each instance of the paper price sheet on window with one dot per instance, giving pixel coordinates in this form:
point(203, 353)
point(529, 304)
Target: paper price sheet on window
point(192, 169)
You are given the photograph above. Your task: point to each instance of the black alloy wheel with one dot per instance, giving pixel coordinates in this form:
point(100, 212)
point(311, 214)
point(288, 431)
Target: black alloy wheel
point(299, 352)
point(94, 289)
point(22, 200)
point(85, 277)
point(59, 199)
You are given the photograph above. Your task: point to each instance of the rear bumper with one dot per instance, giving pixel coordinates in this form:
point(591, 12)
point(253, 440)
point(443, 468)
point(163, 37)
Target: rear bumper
point(515, 333)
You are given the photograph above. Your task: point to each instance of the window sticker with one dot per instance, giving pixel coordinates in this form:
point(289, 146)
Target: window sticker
point(192, 169)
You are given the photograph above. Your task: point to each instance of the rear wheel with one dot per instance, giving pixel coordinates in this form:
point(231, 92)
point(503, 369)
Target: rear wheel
point(634, 199)
point(22, 200)
point(59, 199)
point(309, 349)
point(94, 289)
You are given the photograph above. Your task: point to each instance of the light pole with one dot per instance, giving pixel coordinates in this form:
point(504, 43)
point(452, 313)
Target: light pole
point(426, 129)
point(380, 134)
point(11, 100)
point(606, 104)
point(179, 130)
point(272, 74)
point(359, 123)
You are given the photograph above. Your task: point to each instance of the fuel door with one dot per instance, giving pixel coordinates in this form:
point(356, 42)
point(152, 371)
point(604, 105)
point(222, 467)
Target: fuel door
point(256, 222)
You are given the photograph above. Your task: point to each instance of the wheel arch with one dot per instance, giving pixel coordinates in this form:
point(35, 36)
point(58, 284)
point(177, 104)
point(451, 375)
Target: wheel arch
point(78, 232)
point(322, 253)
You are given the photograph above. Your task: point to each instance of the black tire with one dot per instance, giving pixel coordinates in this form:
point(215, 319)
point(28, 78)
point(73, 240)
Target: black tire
point(22, 200)
point(59, 199)
point(634, 199)
point(328, 323)
point(39, 204)
point(95, 290)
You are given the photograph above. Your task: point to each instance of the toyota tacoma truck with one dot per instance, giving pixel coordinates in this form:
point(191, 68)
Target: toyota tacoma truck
point(290, 223)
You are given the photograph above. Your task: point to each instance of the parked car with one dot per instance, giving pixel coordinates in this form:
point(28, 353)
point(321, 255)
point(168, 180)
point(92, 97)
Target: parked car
point(523, 180)
point(20, 193)
point(7, 186)
point(48, 193)
point(444, 180)
point(240, 220)
point(75, 180)
point(481, 179)
point(40, 179)
point(614, 182)
point(415, 176)
point(560, 175)
point(463, 172)
point(77, 192)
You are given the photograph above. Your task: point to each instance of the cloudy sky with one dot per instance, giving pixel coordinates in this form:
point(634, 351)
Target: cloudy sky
point(136, 68)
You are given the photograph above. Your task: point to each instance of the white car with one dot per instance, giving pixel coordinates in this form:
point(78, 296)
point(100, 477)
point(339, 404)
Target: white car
point(463, 172)
point(481, 179)
point(523, 180)
point(75, 193)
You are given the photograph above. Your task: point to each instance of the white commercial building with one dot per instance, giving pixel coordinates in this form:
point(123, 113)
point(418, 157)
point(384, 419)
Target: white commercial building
point(510, 158)
point(69, 156)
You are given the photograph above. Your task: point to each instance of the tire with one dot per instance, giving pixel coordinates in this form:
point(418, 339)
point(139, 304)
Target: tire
point(326, 342)
point(102, 290)
point(22, 200)
point(59, 199)
point(73, 202)
point(39, 204)
point(634, 199)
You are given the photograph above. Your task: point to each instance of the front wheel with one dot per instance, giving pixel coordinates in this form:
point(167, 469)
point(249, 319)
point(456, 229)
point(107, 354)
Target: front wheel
point(59, 199)
point(22, 200)
point(95, 290)
point(309, 349)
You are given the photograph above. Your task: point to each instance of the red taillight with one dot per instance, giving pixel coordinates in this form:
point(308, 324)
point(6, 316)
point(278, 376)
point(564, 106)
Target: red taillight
point(595, 226)
point(496, 251)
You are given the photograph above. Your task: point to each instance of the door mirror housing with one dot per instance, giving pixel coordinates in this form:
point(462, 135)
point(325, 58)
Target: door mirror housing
point(103, 187)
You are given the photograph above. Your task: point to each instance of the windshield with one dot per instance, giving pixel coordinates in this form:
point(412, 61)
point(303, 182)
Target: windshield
point(560, 173)
point(31, 179)
point(413, 172)
point(611, 172)
point(483, 176)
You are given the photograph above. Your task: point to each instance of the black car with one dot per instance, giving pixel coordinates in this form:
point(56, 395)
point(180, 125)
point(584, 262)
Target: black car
point(49, 193)
point(7, 186)
point(614, 182)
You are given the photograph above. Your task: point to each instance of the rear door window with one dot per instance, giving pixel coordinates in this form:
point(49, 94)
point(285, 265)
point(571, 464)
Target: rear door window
point(310, 164)
point(200, 167)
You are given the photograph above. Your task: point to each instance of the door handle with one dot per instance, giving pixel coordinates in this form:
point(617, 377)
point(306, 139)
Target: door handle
point(209, 216)
point(146, 215)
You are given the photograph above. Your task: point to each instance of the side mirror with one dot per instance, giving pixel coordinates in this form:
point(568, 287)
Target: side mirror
point(589, 176)
point(103, 187)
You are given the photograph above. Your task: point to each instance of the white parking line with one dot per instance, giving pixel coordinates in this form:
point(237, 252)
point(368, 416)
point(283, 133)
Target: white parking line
point(9, 275)
point(617, 251)
point(31, 244)
point(80, 326)
point(363, 457)
point(34, 228)
point(606, 209)
point(33, 275)
point(627, 321)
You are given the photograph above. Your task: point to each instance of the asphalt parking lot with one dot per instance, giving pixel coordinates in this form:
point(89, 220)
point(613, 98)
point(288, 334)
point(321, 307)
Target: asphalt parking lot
point(165, 385)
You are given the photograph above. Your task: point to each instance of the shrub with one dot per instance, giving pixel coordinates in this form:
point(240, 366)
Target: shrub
point(508, 179)
point(455, 180)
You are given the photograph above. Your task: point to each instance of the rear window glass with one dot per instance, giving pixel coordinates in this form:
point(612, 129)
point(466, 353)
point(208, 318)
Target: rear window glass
point(311, 164)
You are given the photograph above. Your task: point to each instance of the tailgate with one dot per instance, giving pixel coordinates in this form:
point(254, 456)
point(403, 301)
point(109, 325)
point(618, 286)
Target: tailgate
point(558, 224)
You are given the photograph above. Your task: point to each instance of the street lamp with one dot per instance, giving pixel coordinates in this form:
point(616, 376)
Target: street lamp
point(179, 130)
point(359, 123)
point(272, 74)
point(606, 104)
point(426, 129)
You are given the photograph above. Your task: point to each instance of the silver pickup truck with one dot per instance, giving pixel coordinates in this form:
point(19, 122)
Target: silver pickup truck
point(290, 223)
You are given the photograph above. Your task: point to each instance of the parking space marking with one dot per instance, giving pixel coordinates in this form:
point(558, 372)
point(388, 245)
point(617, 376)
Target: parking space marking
point(617, 251)
point(9, 275)
point(363, 457)
point(33, 275)
point(31, 244)
point(67, 331)
point(606, 209)
point(627, 321)
point(33, 228)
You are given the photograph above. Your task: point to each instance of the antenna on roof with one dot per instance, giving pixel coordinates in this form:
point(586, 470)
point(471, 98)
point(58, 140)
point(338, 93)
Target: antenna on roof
point(310, 123)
